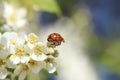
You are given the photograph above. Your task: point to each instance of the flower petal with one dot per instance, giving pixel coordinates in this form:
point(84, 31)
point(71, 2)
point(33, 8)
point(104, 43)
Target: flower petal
point(5, 27)
point(11, 49)
point(37, 67)
point(25, 59)
point(42, 57)
point(18, 70)
point(21, 23)
point(4, 41)
point(15, 59)
point(10, 35)
point(38, 57)
point(10, 64)
point(51, 67)
point(21, 13)
point(22, 75)
point(34, 57)
point(3, 54)
point(30, 45)
point(7, 9)
point(3, 73)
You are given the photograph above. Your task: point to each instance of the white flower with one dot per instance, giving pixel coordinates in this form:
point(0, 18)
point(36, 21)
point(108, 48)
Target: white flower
point(10, 40)
point(20, 56)
point(21, 70)
point(3, 73)
point(36, 48)
point(39, 52)
point(31, 40)
point(50, 65)
point(35, 66)
point(15, 46)
point(24, 55)
point(32, 66)
point(15, 18)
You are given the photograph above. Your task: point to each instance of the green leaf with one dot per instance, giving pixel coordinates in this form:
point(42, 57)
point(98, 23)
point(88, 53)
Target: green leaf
point(111, 57)
point(55, 73)
point(16, 78)
point(48, 5)
point(10, 69)
point(26, 78)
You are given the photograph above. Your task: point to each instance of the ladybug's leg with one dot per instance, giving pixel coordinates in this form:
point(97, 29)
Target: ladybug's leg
point(50, 40)
point(59, 43)
point(63, 40)
point(53, 45)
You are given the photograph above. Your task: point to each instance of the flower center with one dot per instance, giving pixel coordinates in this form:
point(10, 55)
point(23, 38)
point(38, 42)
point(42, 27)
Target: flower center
point(20, 51)
point(31, 62)
point(49, 60)
point(13, 42)
point(13, 18)
point(38, 50)
point(25, 68)
point(32, 38)
point(2, 62)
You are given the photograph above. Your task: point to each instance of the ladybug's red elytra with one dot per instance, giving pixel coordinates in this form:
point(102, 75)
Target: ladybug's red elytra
point(55, 39)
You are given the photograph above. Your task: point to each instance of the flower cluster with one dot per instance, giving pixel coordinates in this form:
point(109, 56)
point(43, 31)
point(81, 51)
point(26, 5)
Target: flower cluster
point(21, 54)
point(14, 17)
point(24, 54)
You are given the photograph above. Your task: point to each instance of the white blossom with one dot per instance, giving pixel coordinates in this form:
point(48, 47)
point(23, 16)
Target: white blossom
point(39, 52)
point(24, 54)
point(35, 66)
point(31, 40)
point(12, 38)
point(20, 56)
point(51, 65)
point(37, 49)
point(15, 17)
point(21, 71)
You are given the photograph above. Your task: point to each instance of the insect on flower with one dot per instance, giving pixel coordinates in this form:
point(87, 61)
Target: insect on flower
point(55, 39)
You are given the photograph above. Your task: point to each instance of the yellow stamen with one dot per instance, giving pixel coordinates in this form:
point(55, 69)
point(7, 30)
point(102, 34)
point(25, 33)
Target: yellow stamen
point(2, 62)
point(38, 50)
point(20, 51)
point(31, 62)
point(13, 42)
point(25, 68)
point(32, 38)
point(13, 18)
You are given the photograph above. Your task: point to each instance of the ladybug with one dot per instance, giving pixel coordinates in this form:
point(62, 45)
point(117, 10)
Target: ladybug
point(55, 39)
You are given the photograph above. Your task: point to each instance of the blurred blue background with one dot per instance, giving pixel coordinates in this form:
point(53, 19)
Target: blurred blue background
point(105, 27)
